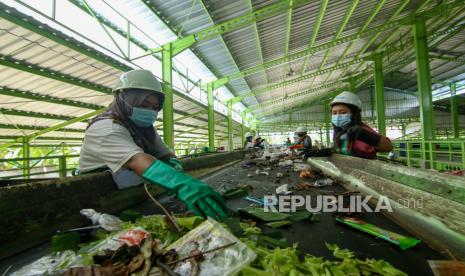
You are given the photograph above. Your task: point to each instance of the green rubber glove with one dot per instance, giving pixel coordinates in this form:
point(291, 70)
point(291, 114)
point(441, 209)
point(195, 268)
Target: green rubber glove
point(198, 196)
point(176, 164)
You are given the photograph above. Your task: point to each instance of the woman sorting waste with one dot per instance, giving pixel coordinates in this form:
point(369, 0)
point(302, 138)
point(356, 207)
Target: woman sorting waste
point(304, 142)
point(248, 141)
point(124, 140)
point(351, 136)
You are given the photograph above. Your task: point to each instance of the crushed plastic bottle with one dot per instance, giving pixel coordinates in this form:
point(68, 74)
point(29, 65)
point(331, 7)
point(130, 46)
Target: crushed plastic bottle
point(106, 221)
point(323, 182)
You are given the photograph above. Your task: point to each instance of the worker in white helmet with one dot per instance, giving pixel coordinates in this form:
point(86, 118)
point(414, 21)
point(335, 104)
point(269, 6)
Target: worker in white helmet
point(304, 142)
point(124, 140)
point(351, 135)
point(248, 140)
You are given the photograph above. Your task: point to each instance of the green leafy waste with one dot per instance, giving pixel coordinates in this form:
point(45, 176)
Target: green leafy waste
point(285, 261)
point(274, 257)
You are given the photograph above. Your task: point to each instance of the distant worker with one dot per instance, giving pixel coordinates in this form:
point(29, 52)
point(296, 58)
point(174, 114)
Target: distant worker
point(304, 142)
point(124, 140)
point(259, 142)
point(248, 140)
point(351, 135)
point(288, 141)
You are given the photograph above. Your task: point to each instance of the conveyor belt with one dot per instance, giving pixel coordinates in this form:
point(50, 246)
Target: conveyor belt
point(311, 236)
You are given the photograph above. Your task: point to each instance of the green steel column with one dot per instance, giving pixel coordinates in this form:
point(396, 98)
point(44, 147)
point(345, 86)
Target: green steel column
point(27, 155)
point(453, 110)
point(327, 116)
point(353, 85)
point(379, 91)
point(168, 118)
point(230, 127)
point(424, 81)
point(211, 118)
point(321, 136)
point(244, 129)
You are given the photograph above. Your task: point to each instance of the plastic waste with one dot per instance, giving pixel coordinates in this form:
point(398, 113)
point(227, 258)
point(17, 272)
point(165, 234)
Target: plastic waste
point(323, 182)
point(283, 189)
point(207, 236)
point(106, 221)
point(53, 264)
point(403, 242)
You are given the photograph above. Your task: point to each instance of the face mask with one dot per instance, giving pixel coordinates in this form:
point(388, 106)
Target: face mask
point(341, 120)
point(143, 117)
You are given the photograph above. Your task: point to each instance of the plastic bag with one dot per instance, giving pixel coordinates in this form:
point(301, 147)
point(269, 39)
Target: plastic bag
point(210, 235)
point(323, 182)
point(106, 221)
point(53, 264)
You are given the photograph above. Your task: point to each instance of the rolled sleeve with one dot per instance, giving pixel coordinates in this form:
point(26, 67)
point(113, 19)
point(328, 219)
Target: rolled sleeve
point(118, 147)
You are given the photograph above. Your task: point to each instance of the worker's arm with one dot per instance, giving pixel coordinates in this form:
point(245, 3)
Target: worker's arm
point(380, 142)
point(198, 196)
point(384, 144)
point(140, 162)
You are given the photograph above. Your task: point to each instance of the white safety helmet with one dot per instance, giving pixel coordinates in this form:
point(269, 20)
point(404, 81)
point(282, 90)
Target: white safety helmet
point(139, 79)
point(347, 98)
point(301, 129)
point(248, 134)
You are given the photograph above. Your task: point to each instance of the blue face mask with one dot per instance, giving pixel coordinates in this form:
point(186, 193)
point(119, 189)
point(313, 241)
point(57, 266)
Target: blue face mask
point(143, 117)
point(341, 120)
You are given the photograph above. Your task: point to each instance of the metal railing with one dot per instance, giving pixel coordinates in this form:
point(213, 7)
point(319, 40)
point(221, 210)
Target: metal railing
point(34, 166)
point(437, 154)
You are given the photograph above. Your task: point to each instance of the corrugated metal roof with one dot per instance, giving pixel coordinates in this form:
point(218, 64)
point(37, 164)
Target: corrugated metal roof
point(262, 41)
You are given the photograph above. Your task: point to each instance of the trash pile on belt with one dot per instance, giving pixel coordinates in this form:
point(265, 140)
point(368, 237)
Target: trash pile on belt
point(151, 245)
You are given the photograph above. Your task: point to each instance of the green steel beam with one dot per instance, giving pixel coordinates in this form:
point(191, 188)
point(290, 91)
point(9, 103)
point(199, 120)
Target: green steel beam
point(99, 21)
point(26, 155)
point(364, 26)
point(296, 80)
point(424, 80)
point(211, 117)
point(168, 117)
point(288, 33)
point(243, 127)
point(12, 15)
point(67, 122)
point(391, 35)
point(183, 117)
point(316, 29)
point(454, 111)
point(271, 103)
point(51, 74)
point(452, 59)
point(106, 22)
point(454, 28)
point(379, 92)
point(220, 36)
point(344, 39)
point(230, 127)
point(311, 50)
point(16, 112)
point(45, 98)
point(19, 139)
point(29, 127)
point(346, 19)
point(327, 122)
point(181, 44)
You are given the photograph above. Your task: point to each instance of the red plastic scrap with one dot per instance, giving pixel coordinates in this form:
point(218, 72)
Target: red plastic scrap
point(133, 237)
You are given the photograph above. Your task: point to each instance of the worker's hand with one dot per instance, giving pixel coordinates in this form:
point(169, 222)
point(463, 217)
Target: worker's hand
point(362, 134)
point(176, 164)
point(201, 199)
point(198, 196)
